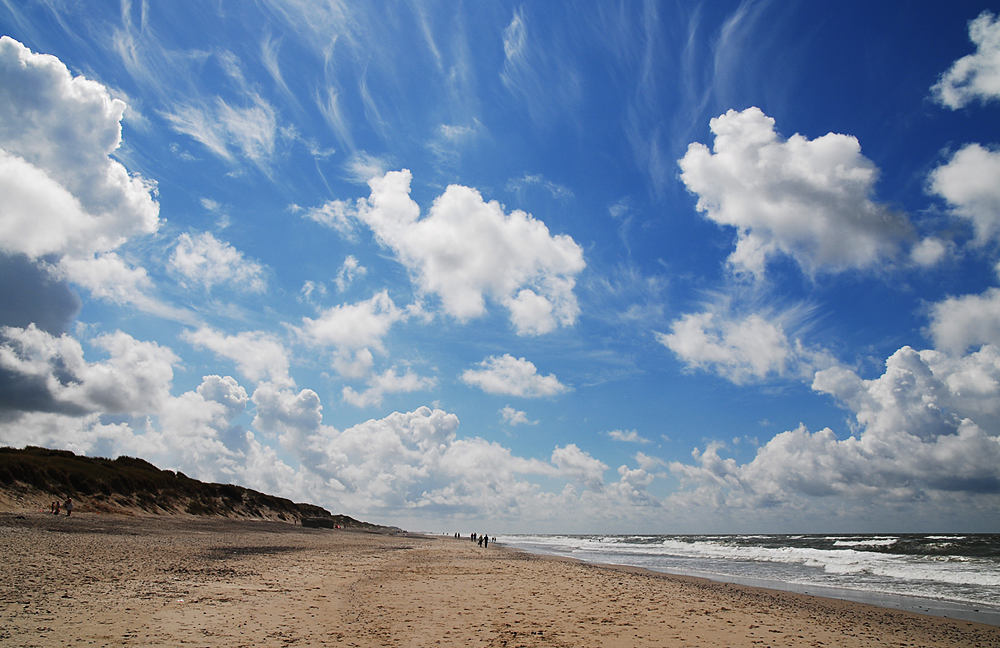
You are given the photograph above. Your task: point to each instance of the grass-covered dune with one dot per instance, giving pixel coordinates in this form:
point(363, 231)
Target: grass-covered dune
point(32, 478)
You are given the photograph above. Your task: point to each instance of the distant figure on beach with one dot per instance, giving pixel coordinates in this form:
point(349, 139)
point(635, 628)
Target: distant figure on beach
point(69, 506)
point(473, 536)
point(56, 507)
point(486, 541)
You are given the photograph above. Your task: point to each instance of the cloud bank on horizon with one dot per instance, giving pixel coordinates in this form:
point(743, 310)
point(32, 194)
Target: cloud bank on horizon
point(539, 269)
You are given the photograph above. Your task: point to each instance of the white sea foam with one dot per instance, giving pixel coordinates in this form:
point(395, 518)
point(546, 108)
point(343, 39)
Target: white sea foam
point(868, 542)
point(863, 563)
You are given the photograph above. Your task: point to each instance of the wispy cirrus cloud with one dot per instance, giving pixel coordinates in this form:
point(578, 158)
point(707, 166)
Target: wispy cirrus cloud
point(519, 185)
point(543, 78)
point(362, 167)
point(249, 131)
point(235, 123)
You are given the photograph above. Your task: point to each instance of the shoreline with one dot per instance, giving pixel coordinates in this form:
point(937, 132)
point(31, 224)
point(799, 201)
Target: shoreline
point(916, 604)
point(157, 581)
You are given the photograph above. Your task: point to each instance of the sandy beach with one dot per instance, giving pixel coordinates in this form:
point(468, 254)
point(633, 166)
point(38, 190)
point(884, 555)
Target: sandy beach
point(102, 580)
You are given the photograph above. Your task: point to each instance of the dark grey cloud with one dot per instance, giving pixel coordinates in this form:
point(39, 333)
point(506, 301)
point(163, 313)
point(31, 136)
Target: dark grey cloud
point(20, 393)
point(29, 295)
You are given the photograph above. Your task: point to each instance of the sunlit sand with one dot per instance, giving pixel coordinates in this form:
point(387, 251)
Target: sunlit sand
point(172, 581)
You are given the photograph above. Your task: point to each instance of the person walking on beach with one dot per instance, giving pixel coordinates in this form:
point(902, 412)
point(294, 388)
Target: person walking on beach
point(486, 541)
point(69, 506)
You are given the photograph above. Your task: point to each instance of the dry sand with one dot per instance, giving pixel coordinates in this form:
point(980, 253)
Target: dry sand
point(101, 580)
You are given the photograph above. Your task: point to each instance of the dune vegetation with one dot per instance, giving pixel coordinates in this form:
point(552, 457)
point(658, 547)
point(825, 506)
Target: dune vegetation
point(33, 478)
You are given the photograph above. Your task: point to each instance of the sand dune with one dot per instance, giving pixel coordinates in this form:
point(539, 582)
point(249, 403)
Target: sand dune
point(178, 581)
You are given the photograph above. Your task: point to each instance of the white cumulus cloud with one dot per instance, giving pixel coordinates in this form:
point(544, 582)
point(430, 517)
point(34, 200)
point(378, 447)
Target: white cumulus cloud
point(580, 466)
point(136, 378)
point(354, 326)
point(206, 261)
point(958, 323)
point(388, 382)
point(512, 376)
point(349, 271)
point(970, 183)
point(627, 436)
point(808, 199)
point(289, 415)
point(63, 197)
point(60, 190)
point(929, 251)
point(335, 214)
point(64, 399)
point(396, 469)
point(740, 349)
point(466, 250)
point(407, 461)
point(196, 432)
point(107, 276)
point(511, 416)
point(259, 356)
point(975, 76)
point(926, 429)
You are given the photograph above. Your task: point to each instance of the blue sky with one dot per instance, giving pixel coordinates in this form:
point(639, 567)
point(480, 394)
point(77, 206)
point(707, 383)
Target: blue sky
point(661, 267)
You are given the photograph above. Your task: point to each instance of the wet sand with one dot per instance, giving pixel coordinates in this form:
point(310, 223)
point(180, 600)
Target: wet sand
point(101, 580)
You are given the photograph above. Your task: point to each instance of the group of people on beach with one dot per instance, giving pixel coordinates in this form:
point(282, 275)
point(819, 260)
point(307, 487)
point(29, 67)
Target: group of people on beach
point(57, 507)
point(482, 539)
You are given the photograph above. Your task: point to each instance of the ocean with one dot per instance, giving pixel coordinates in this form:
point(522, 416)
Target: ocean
point(953, 575)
